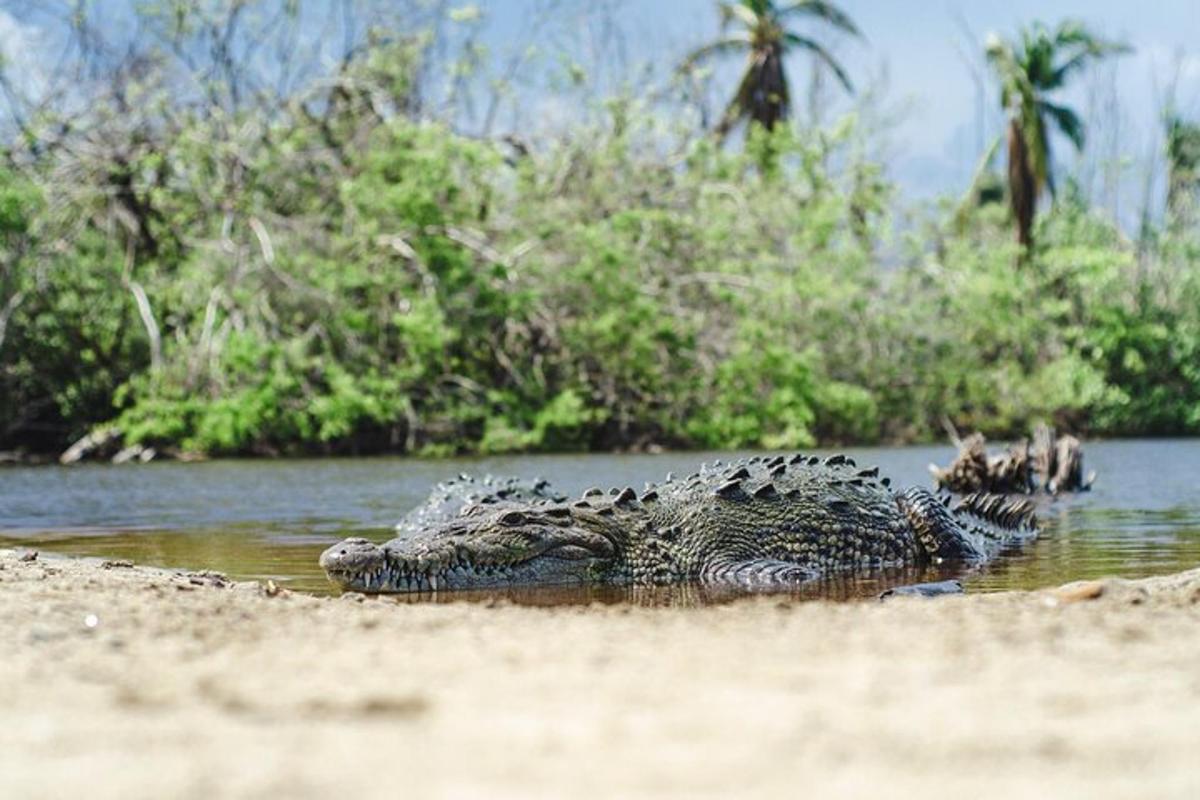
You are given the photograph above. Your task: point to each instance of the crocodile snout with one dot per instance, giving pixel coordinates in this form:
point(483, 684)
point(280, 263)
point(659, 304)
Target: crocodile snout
point(352, 555)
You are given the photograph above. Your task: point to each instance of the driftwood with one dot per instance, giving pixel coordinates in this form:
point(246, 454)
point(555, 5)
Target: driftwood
point(105, 444)
point(1050, 463)
point(100, 443)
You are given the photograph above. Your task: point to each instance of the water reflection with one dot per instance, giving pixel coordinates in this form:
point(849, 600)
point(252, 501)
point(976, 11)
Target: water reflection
point(687, 595)
point(259, 520)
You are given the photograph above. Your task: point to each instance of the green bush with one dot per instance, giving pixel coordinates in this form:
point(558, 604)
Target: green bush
point(359, 284)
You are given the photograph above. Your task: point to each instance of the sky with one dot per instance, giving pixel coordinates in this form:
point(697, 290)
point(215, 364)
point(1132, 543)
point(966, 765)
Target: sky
point(925, 57)
point(920, 63)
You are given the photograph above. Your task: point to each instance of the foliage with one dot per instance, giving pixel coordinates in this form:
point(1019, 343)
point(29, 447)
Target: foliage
point(1183, 167)
point(1038, 63)
point(763, 94)
point(339, 273)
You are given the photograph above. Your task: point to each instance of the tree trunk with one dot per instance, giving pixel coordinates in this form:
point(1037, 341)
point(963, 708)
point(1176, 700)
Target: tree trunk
point(1022, 190)
point(770, 101)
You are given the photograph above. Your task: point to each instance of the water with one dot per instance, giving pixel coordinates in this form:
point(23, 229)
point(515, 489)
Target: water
point(271, 519)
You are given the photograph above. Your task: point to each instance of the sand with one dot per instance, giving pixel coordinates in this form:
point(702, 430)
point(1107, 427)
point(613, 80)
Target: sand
point(128, 682)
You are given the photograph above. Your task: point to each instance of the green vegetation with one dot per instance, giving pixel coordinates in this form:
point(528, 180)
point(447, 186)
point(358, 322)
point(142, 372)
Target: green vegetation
point(1183, 168)
point(1039, 62)
point(334, 271)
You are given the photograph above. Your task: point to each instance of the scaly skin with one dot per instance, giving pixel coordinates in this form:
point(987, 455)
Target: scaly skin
point(755, 524)
point(449, 498)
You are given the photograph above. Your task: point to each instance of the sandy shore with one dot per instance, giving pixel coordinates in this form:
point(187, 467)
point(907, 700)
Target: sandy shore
point(129, 682)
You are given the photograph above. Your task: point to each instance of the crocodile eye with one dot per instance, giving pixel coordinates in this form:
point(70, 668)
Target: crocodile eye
point(512, 518)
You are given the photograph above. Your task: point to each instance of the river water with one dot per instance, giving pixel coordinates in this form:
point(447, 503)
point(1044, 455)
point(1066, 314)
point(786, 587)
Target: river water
point(271, 519)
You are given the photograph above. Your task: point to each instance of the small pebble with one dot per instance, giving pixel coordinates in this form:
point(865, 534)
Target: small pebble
point(1078, 592)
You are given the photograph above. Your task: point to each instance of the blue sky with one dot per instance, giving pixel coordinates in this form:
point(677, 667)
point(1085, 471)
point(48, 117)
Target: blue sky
point(927, 49)
point(918, 58)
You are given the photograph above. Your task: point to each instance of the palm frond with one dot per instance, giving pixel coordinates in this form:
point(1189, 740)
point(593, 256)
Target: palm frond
point(1093, 52)
point(982, 169)
point(795, 40)
point(1074, 34)
point(736, 42)
point(1066, 121)
point(742, 12)
point(821, 10)
point(1060, 74)
point(1016, 89)
point(739, 106)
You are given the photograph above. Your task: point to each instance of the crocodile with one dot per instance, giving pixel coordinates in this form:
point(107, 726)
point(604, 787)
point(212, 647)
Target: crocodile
point(758, 524)
point(449, 498)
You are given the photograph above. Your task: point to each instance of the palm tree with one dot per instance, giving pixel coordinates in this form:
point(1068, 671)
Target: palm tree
point(1183, 164)
point(763, 95)
point(1039, 62)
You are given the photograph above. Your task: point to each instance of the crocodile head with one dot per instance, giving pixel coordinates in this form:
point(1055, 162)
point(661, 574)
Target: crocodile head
point(485, 547)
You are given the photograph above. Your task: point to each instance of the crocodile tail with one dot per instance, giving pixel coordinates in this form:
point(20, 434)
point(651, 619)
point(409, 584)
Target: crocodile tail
point(1009, 514)
point(936, 528)
point(972, 530)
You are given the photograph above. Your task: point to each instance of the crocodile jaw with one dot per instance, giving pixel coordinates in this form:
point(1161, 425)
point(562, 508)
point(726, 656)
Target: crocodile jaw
point(357, 565)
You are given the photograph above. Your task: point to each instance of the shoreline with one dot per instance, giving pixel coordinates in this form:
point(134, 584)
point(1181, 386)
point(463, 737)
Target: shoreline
point(126, 681)
point(169, 455)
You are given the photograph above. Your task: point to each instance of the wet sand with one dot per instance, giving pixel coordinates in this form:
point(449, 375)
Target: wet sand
point(129, 682)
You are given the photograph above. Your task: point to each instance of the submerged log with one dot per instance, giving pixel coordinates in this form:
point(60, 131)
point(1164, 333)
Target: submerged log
point(1050, 463)
point(969, 471)
point(134, 452)
point(1066, 474)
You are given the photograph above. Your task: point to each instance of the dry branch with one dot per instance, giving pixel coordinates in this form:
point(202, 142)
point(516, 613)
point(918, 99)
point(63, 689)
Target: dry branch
point(1051, 463)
